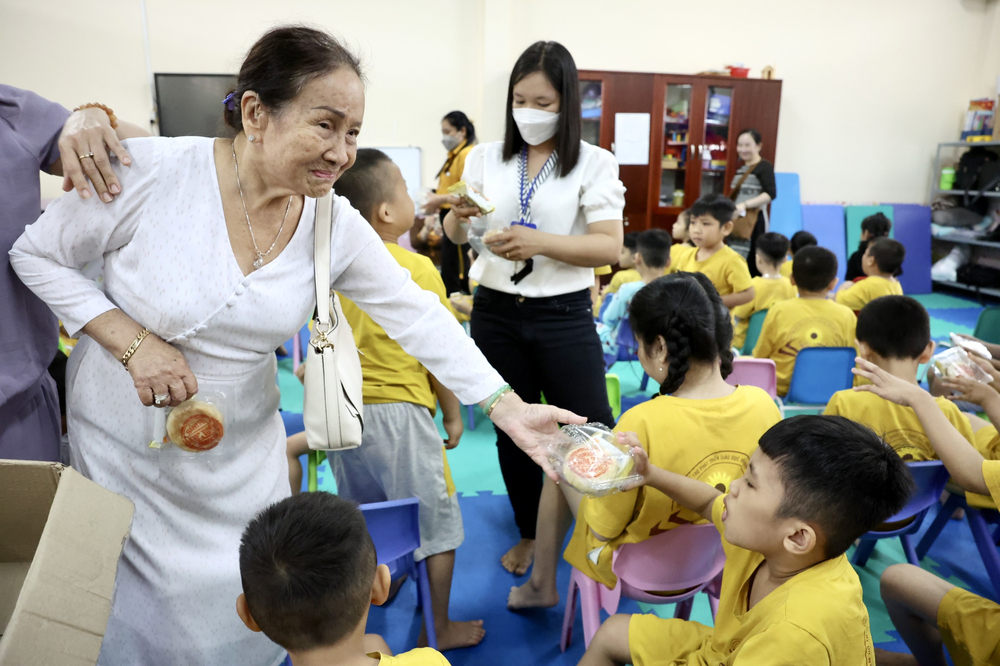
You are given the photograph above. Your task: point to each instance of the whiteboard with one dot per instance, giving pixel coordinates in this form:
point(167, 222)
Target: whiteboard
point(409, 162)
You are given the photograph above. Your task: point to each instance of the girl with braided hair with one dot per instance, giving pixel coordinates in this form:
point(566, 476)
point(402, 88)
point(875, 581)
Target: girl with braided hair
point(698, 426)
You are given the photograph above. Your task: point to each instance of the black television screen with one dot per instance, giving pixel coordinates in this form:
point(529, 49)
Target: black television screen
point(191, 104)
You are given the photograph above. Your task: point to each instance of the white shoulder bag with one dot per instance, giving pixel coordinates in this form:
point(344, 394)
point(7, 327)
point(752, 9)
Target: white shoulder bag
point(332, 407)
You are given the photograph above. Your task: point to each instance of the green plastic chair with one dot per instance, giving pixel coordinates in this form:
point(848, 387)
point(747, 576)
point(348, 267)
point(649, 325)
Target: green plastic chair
point(316, 459)
point(753, 332)
point(988, 325)
point(614, 394)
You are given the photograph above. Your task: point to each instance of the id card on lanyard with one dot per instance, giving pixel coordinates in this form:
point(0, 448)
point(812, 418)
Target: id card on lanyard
point(526, 194)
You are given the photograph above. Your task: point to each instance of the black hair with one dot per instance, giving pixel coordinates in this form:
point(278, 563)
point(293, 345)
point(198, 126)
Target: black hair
point(888, 255)
point(838, 475)
point(774, 246)
point(876, 225)
point(631, 240)
point(716, 205)
point(307, 565)
point(556, 63)
point(814, 268)
point(460, 121)
point(282, 62)
point(654, 246)
point(366, 184)
point(894, 327)
point(754, 134)
point(687, 311)
point(801, 239)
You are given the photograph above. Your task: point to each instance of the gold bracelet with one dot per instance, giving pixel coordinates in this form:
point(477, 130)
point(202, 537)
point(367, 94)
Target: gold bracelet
point(112, 118)
point(498, 396)
point(135, 345)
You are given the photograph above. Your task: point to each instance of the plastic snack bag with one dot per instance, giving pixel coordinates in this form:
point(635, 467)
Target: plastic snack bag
point(472, 197)
point(955, 362)
point(591, 460)
point(971, 346)
point(197, 426)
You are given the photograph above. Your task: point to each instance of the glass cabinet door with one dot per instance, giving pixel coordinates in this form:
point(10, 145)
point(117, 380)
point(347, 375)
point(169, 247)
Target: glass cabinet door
point(676, 144)
point(714, 150)
point(591, 93)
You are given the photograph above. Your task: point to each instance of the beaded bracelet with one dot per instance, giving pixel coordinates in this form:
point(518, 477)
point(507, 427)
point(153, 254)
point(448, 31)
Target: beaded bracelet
point(112, 118)
point(135, 345)
point(494, 399)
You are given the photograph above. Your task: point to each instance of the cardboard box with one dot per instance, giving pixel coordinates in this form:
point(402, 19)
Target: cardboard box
point(61, 537)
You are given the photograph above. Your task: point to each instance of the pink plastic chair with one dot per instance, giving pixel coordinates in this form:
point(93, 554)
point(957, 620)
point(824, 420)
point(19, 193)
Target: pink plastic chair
point(689, 557)
point(759, 372)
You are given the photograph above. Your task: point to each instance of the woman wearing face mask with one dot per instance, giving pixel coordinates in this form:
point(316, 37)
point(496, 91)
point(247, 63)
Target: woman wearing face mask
point(458, 136)
point(753, 188)
point(532, 312)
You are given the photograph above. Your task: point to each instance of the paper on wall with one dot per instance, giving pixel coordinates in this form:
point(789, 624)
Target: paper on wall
point(632, 138)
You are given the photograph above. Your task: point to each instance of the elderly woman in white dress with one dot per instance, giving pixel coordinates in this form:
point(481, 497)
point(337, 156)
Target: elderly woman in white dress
point(208, 255)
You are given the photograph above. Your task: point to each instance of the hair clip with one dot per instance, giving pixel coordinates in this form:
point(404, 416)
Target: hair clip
point(229, 101)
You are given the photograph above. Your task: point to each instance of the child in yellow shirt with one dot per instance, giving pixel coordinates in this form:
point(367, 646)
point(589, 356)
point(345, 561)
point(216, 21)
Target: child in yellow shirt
point(811, 320)
point(401, 454)
point(710, 221)
point(310, 575)
point(702, 427)
point(881, 263)
point(768, 288)
point(928, 612)
point(894, 333)
point(789, 594)
point(626, 274)
point(799, 240)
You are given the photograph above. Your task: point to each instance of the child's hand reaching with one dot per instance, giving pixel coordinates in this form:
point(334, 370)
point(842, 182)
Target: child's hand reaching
point(887, 386)
point(639, 455)
point(970, 390)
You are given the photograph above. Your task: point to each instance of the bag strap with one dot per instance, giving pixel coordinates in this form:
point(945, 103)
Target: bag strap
point(736, 188)
point(323, 231)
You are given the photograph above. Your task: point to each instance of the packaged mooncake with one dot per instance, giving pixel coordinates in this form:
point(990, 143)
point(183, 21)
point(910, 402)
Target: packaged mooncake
point(591, 460)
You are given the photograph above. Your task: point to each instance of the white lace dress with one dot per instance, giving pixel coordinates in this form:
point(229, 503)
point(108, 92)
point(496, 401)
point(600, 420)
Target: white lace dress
point(170, 266)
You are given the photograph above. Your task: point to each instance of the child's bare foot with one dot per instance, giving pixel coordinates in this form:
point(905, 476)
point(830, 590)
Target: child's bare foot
point(531, 596)
point(886, 658)
point(518, 559)
point(454, 635)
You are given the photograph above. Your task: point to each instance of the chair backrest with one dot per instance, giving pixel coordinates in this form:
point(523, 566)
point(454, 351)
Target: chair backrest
point(929, 477)
point(293, 423)
point(753, 331)
point(614, 387)
point(628, 348)
point(681, 558)
point(820, 372)
point(988, 325)
point(760, 372)
point(394, 526)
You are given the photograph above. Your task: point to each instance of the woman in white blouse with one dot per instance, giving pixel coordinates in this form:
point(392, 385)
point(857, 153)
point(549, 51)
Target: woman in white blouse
point(208, 254)
point(561, 203)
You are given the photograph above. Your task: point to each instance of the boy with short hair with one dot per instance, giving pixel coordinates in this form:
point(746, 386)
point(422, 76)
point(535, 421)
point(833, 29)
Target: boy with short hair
point(652, 257)
point(401, 455)
point(789, 594)
point(811, 320)
point(894, 333)
point(626, 274)
point(799, 240)
point(881, 263)
point(310, 574)
point(769, 287)
point(872, 227)
point(710, 220)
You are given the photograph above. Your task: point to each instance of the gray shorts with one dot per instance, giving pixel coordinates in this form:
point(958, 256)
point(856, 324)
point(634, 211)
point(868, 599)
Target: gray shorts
point(401, 456)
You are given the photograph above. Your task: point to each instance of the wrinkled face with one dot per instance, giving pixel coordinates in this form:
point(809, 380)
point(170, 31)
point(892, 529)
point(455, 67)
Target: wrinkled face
point(535, 91)
point(705, 231)
point(314, 139)
point(751, 506)
point(747, 148)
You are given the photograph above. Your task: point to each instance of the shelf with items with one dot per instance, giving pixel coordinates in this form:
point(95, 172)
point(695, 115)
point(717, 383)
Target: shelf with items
point(957, 193)
point(591, 110)
point(960, 240)
point(985, 291)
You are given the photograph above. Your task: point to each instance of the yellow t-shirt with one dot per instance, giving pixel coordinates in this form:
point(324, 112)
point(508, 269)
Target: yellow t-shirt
point(987, 440)
point(417, 657)
point(390, 374)
point(798, 323)
point(897, 425)
point(622, 277)
point(786, 269)
point(710, 440)
point(726, 269)
point(766, 292)
point(452, 170)
point(864, 292)
point(816, 617)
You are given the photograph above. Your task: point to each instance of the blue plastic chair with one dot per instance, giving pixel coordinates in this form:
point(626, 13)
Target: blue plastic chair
point(754, 326)
point(986, 543)
point(628, 349)
point(929, 477)
point(819, 373)
point(605, 302)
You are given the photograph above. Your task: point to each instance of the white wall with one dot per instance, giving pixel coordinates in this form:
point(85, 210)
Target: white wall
point(869, 87)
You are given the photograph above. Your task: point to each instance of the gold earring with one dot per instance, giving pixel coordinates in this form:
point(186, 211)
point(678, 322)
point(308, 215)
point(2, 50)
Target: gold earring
point(251, 138)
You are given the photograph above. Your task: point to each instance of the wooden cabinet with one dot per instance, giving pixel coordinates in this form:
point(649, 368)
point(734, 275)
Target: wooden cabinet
point(693, 132)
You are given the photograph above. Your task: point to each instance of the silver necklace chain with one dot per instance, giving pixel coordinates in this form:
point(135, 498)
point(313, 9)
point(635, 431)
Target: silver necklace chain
point(259, 260)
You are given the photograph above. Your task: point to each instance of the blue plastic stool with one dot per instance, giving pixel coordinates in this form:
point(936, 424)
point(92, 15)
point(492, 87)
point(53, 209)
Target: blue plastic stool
point(819, 373)
point(986, 543)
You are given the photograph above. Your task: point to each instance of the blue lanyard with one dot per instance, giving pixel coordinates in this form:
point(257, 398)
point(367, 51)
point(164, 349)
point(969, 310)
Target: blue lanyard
point(526, 195)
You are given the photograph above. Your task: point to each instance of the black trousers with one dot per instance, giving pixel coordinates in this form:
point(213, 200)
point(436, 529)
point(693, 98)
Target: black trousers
point(540, 345)
point(454, 264)
point(759, 230)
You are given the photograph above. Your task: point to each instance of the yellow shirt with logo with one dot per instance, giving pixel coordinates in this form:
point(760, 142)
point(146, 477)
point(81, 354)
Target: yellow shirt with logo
point(417, 657)
point(390, 374)
point(799, 323)
point(726, 269)
point(452, 170)
point(710, 440)
point(816, 617)
point(861, 293)
point(897, 425)
point(766, 292)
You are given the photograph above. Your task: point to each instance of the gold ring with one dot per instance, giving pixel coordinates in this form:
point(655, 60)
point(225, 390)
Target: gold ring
point(506, 255)
point(86, 155)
